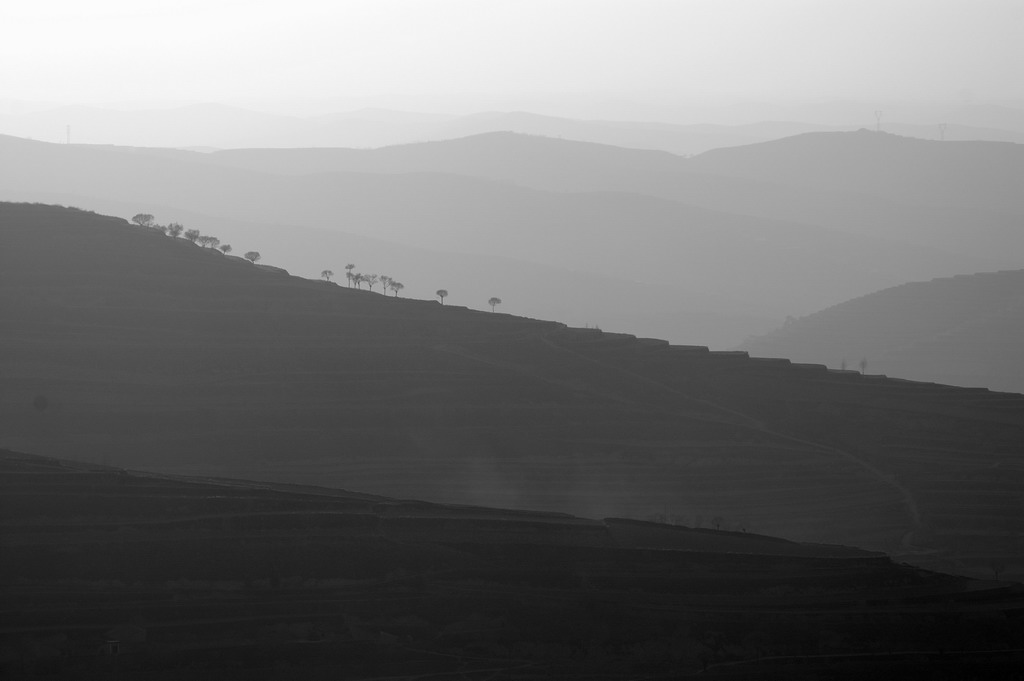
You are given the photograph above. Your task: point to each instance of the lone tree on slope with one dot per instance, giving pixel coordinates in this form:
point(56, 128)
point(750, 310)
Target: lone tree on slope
point(326, 275)
point(396, 286)
point(442, 294)
point(143, 219)
point(175, 229)
point(225, 249)
point(192, 235)
point(252, 256)
point(494, 301)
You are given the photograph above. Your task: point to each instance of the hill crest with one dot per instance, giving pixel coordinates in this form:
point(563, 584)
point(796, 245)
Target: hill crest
point(154, 353)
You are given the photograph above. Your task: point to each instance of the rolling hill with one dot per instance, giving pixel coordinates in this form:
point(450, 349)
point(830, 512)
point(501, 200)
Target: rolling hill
point(218, 126)
point(708, 260)
point(110, 572)
point(121, 345)
point(986, 225)
point(983, 176)
point(964, 330)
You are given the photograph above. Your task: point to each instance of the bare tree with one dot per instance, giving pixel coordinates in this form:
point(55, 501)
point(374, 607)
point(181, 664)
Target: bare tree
point(863, 365)
point(442, 294)
point(357, 279)
point(326, 275)
point(385, 281)
point(494, 301)
point(252, 256)
point(371, 280)
point(143, 219)
point(225, 248)
point(396, 286)
point(192, 235)
point(348, 273)
point(208, 241)
point(175, 229)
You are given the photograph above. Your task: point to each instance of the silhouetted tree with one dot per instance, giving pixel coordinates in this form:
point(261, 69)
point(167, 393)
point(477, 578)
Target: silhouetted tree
point(396, 286)
point(863, 365)
point(225, 248)
point(494, 301)
point(208, 241)
point(357, 279)
point(348, 273)
point(252, 256)
point(192, 235)
point(143, 219)
point(175, 229)
point(442, 294)
point(371, 280)
point(326, 275)
point(385, 281)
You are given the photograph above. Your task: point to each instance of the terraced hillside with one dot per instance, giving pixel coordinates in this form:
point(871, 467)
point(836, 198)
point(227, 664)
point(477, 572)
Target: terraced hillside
point(109, 573)
point(966, 330)
point(121, 345)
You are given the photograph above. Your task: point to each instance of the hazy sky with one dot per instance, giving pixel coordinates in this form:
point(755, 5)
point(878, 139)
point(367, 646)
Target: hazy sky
point(231, 50)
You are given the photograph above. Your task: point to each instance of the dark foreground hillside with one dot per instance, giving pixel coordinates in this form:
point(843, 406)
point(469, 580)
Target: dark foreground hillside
point(965, 330)
point(123, 346)
point(115, 574)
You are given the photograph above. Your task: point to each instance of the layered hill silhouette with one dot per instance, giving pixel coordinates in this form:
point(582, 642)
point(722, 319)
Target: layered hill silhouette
point(709, 260)
point(881, 185)
point(124, 346)
point(971, 175)
point(127, 573)
point(965, 330)
point(213, 126)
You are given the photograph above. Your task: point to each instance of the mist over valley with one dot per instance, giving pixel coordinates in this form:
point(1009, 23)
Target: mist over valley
point(511, 340)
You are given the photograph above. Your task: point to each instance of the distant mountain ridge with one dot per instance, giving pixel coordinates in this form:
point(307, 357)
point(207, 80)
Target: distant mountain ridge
point(223, 126)
point(985, 224)
point(901, 169)
point(964, 330)
point(712, 261)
